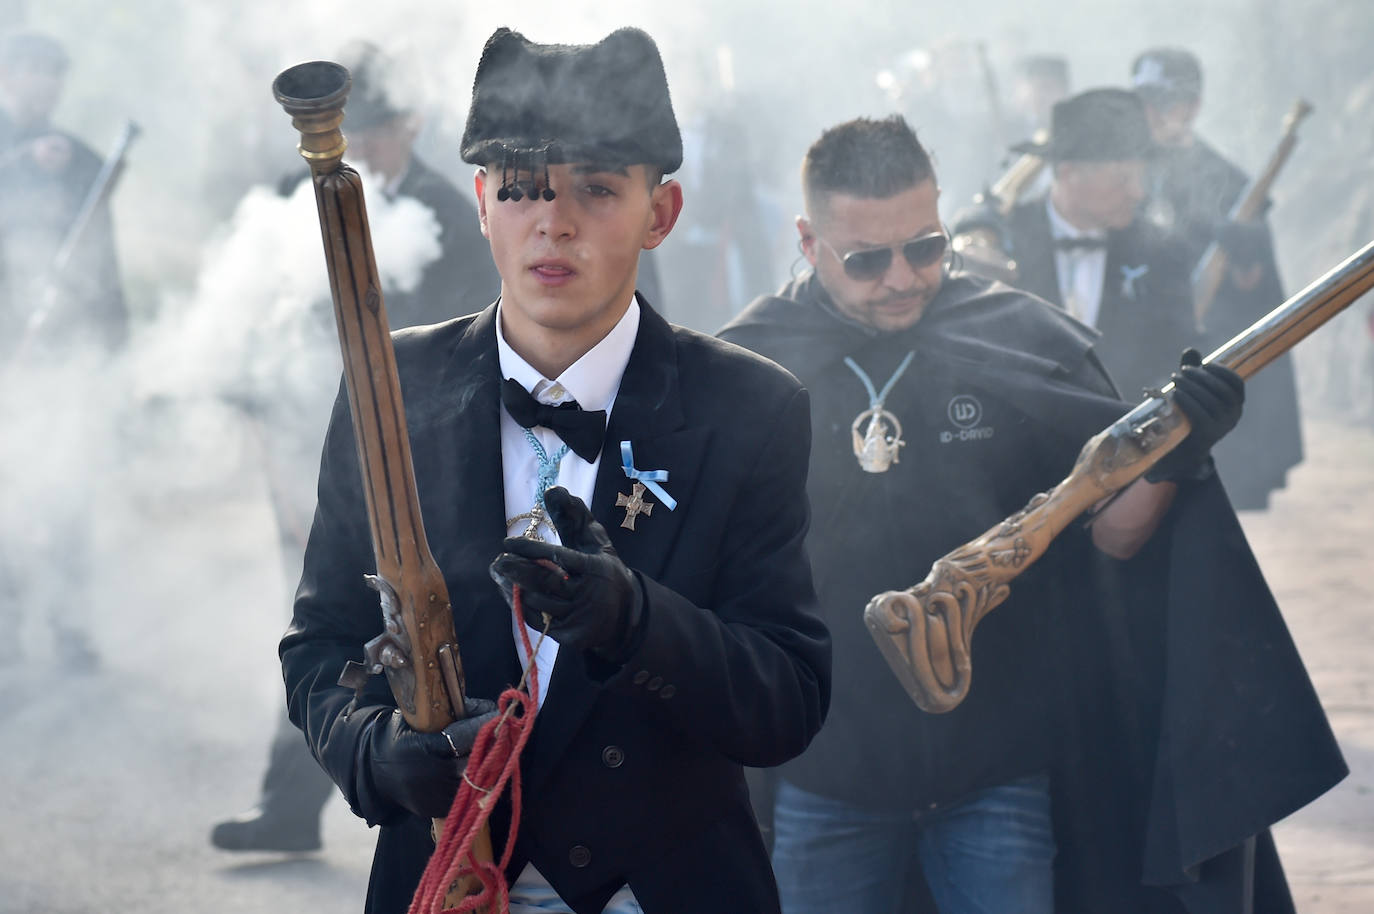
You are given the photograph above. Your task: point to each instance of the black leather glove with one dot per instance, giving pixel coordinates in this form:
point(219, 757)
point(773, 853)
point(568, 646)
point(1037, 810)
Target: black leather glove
point(1245, 243)
point(421, 771)
point(593, 600)
point(1211, 397)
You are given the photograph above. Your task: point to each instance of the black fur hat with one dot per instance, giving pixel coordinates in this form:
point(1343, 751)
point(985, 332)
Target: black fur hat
point(606, 103)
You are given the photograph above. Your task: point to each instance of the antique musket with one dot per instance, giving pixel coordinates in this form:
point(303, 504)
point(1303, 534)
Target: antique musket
point(97, 193)
point(982, 246)
point(925, 632)
point(417, 649)
point(1211, 269)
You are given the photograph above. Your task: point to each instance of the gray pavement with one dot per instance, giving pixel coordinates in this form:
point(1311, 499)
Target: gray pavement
point(112, 777)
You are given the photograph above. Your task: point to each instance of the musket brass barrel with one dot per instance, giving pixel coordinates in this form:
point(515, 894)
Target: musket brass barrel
point(313, 93)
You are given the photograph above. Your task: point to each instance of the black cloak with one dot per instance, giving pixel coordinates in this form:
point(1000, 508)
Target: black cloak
point(1180, 718)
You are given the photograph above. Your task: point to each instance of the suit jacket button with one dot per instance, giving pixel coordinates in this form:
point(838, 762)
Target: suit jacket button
point(654, 683)
point(668, 691)
point(579, 856)
point(640, 677)
point(613, 756)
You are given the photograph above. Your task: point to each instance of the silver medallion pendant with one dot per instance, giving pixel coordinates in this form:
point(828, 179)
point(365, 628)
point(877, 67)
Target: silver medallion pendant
point(536, 518)
point(878, 443)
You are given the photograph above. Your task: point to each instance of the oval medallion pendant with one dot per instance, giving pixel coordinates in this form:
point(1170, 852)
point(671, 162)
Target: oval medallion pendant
point(878, 444)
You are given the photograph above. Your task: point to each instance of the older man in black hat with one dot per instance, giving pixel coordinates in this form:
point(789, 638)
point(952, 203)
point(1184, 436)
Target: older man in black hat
point(1193, 188)
point(668, 489)
point(1085, 247)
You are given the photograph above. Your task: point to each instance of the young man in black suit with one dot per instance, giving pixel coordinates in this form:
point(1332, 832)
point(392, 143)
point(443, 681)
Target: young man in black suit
point(679, 648)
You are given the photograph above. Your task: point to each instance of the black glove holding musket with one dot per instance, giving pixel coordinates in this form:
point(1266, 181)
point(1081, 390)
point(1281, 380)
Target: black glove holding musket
point(1245, 243)
point(1211, 396)
point(421, 772)
point(591, 599)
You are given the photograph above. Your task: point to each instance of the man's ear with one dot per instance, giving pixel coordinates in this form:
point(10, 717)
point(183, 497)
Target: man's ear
point(665, 204)
point(479, 184)
point(807, 242)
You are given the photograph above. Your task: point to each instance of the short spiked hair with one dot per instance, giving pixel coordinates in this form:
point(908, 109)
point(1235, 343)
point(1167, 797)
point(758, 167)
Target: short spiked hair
point(865, 157)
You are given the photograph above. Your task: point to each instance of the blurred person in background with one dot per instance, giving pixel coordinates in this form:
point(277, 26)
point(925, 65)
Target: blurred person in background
point(287, 408)
point(45, 176)
point(1192, 189)
point(720, 248)
point(1039, 82)
point(1139, 713)
point(1085, 247)
point(63, 316)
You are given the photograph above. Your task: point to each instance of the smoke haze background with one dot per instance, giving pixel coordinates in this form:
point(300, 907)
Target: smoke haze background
point(189, 595)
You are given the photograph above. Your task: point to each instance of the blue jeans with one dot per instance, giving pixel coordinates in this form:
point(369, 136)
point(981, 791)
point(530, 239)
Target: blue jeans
point(990, 853)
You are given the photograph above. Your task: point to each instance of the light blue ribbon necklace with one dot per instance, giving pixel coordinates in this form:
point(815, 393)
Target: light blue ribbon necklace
point(878, 444)
point(547, 477)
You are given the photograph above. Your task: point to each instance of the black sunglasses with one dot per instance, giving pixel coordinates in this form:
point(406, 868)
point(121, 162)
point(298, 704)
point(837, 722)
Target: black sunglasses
point(872, 263)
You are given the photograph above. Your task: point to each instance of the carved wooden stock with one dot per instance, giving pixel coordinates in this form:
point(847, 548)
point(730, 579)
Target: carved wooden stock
point(925, 632)
point(417, 648)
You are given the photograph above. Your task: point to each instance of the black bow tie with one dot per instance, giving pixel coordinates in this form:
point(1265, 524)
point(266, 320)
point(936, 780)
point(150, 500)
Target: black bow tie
point(581, 429)
point(1080, 243)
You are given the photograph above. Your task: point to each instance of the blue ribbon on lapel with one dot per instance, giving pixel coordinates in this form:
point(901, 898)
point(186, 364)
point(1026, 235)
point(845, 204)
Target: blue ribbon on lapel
point(650, 478)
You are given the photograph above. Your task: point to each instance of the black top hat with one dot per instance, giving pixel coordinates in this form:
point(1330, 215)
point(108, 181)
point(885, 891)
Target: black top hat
point(1100, 125)
point(1163, 75)
point(606, 103)
point(370, 101)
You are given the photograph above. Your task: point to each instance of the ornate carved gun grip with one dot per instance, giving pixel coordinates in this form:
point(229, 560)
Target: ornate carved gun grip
point(925, 632)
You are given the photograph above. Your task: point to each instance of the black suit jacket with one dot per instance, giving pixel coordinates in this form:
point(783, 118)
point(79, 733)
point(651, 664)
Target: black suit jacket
point(732, 671)
point(1146, 318)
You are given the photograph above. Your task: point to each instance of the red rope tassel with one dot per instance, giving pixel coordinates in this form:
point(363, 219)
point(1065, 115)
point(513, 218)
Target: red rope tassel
point(494, 763)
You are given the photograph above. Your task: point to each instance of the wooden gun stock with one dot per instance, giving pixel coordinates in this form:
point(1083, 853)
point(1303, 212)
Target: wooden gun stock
point(1211, 269)
point(417, 648)
point(925, 632)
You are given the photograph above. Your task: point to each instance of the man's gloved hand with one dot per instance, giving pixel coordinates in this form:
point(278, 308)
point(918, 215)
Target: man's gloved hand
point(592, 599)
point(421, 771)
point(1245, 243)
point(1211, 397)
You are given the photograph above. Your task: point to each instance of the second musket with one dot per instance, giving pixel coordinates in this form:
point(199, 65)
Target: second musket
point(925, 632)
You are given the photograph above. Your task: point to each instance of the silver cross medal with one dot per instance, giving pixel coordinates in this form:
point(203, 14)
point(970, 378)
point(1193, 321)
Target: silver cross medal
point(634, 505)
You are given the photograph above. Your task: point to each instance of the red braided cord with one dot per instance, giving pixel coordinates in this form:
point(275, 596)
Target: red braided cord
point(494, 762)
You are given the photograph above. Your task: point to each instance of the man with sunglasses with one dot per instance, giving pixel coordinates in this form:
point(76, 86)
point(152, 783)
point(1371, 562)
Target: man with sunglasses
point(941, 403)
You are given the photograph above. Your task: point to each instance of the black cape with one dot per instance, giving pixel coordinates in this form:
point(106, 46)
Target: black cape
point(1186, 724)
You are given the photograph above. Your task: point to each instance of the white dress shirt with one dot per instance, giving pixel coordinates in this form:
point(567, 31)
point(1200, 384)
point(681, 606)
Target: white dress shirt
point(593, 381)
point(1082, 272)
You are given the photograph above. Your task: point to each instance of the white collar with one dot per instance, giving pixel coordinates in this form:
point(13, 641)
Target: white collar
point(592, 380)
point(1062, 228)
